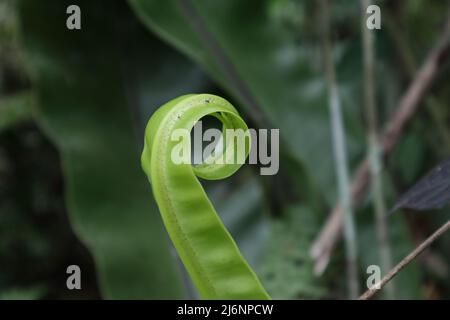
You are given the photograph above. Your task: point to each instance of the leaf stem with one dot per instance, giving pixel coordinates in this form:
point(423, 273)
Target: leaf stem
point(340, 155)
point(374, 152)
point(410, 257)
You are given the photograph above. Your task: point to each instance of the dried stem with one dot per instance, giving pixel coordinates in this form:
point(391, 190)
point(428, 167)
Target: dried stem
point(403, 48)
point(410, 257)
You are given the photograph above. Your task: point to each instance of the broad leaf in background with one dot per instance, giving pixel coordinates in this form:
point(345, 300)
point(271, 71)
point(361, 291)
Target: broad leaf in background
point(83, 107)
point(243, 47)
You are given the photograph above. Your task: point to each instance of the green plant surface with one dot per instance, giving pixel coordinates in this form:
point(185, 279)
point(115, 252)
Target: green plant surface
point(206, 248)
point(84, 109)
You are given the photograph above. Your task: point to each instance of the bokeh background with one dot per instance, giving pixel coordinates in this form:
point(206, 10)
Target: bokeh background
point(74, 105)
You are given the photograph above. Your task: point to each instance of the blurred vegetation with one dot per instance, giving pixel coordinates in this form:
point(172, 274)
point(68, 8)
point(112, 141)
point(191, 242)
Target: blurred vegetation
point(73, 106)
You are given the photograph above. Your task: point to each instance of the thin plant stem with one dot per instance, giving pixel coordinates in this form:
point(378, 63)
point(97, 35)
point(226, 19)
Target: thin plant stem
point(340, 155)
point(374, 154)
point(410, 257)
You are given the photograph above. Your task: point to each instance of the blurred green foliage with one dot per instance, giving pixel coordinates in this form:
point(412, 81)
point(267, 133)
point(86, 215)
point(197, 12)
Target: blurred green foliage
point(73, 105)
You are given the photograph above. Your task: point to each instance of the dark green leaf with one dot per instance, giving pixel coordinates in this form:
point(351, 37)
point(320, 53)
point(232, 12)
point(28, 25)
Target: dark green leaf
point(83, 107)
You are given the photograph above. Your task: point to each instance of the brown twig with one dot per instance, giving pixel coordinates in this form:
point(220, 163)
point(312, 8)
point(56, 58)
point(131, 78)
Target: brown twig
point(331, 232)
point(410, 257)
point(406, 57)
